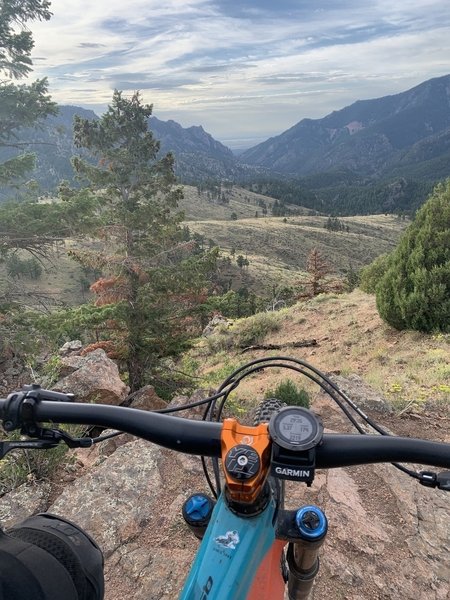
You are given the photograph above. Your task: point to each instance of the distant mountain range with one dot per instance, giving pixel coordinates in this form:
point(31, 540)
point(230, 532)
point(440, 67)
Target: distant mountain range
point(372, 156)
point(198, 155)
point(370, 137)
point(52, 142)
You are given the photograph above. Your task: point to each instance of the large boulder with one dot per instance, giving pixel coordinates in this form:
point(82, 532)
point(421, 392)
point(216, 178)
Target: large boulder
point(216, 321)
point(197, 411)
point(361, 393)
point(114, 501)
point(92, 378)
point(27, 499)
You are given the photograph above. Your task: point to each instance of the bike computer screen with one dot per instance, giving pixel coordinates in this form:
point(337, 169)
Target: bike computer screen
point(296, 428)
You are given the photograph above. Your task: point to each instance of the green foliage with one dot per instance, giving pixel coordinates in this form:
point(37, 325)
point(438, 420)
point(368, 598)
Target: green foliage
point(34, 227)
point(22, 466)
point(16, 46)
point(371, 275)
point(335, 224)
point(154, 279)
point(17, 267)
point(86, 322)
point(219, 374)
point(254, 329)
point(289, 191)
point(351, 278)
point(288, 392)
point(51, 370)
point(342, 193)
point(279, 209)
point(248, 332)
point(233, 304)
point(241, 261)
point(280, 297)
point(19, 332)
point(20, 105)
point(414, 293)
point(220, 342)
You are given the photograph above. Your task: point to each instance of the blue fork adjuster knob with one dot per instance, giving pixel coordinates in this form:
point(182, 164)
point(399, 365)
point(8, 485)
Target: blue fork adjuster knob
point(197, 508)
point(197, 511)
point(311, 522)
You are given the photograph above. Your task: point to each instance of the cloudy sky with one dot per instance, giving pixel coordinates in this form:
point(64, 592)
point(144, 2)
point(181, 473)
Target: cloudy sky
point(244, 69)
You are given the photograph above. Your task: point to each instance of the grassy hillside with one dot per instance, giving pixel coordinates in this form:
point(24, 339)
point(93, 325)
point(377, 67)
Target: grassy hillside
point(61, 281)
point(277, 250)
point(409, 368)
point(202, 205)
point(276, 247)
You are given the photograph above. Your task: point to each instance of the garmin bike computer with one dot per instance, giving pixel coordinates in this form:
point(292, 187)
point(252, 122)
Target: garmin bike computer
point(296, 429)
point(295, 433)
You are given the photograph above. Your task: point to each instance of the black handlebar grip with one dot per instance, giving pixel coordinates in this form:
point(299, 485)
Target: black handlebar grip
point(350, 450)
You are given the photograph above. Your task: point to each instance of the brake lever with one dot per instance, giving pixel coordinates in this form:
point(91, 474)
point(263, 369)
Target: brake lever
point(47, 439)
point(5, 447)
point(72, 442)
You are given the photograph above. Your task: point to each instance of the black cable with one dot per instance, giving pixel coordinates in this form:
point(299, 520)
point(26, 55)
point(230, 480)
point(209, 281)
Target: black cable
point(189, 405)
point(329, 382)
point(302, 372)
point(108, 436)
point(233, 380)
point(207, 477)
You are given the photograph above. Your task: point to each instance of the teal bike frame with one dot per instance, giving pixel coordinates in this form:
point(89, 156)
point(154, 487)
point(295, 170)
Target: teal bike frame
point(231, 551)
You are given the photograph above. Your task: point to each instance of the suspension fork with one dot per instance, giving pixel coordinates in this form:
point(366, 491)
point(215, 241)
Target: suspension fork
point(305, 529)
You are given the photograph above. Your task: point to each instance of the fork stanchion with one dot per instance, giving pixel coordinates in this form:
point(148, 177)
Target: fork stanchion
point(302, 556)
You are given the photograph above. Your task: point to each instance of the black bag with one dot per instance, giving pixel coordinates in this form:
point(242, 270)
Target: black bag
point(46, 557)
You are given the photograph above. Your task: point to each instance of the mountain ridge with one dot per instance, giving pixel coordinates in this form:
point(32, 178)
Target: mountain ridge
point(347, 162)
point(368, 135)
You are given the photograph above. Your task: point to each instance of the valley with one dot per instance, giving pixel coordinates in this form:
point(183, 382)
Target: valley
point(276, 247)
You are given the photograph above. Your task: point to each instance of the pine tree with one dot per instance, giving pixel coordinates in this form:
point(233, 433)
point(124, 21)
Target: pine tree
point(414, 293)
point(25, 104)
point(152, 278)
point(319, 279)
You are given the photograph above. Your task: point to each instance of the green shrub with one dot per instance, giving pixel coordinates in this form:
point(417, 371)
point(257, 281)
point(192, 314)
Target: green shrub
point(288, 392)
point(242, 303)
point(254, 329)
point(219, 342)
point(220, 373)
point(414, 293)
point(51, 370)
point(371, 275)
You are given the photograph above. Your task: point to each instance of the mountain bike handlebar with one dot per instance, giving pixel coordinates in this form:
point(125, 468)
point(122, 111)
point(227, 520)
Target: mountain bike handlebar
point(204, 437)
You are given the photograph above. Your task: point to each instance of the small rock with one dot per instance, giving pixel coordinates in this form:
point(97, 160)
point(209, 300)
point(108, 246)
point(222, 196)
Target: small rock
point(70, 348)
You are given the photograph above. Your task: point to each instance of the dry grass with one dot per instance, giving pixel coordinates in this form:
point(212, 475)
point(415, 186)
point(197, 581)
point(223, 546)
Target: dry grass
point(408, 368)
point(242, 202)
point(277, 251)
point(60, 280)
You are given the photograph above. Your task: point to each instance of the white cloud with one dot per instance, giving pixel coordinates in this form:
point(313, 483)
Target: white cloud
point(240, 77)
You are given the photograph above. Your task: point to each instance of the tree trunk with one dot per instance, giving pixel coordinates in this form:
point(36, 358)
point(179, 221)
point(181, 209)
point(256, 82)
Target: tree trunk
point(135, 360)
